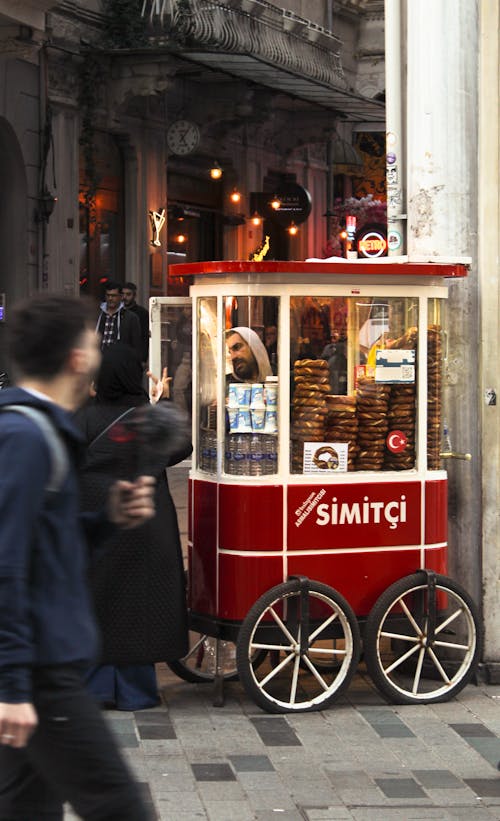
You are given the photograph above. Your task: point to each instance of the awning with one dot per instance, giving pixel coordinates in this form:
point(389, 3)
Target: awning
point(258, 42)
point(352, 107)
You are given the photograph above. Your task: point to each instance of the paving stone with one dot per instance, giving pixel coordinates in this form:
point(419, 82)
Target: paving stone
point(400, 788)
point(440, 779)
point(213, 772)
point(484, 787)
point(251, 763)
point(472, 730)
point(229, 811)
point(275, 732)
point(154, 731)
point(127, 740)
point(489, 748)
point(275, 800)
point(327, 814)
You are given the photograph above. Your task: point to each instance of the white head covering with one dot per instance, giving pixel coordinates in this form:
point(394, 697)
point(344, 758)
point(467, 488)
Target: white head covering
point(258, 349)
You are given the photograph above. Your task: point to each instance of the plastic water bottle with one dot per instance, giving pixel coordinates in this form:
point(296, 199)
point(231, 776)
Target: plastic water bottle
point(212, 451)
point(204, 450)
point(239, 449)
point(230, 448)
point(256, 455)
point(271, 454)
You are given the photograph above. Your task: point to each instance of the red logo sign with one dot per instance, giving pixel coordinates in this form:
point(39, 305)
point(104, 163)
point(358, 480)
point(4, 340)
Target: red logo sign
point(396, 441)
point(372, 244)
point(352, 515)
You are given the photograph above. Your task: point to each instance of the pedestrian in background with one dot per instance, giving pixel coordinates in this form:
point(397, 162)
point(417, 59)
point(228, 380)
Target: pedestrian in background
point(129, 295)
point(138, 583)
point(54, 743)
point(115, 324)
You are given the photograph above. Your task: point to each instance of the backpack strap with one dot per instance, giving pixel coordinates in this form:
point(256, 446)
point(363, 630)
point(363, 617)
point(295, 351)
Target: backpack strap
point(58, 452)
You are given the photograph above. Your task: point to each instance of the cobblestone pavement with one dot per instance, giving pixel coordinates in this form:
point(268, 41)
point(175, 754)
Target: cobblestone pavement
point(362, 759)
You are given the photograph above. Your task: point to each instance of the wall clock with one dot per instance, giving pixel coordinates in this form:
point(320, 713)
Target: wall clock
point(183, 137)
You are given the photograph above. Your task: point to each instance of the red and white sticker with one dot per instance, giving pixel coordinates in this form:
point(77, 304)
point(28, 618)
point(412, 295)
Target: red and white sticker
point(396, 441)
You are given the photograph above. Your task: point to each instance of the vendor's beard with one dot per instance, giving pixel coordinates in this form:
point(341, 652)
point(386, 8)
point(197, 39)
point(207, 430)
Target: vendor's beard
point(244, 370)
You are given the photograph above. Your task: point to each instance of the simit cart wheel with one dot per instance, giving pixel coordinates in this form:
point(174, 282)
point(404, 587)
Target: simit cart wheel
point(311, 636)
point(422, 643)
point(198, 665)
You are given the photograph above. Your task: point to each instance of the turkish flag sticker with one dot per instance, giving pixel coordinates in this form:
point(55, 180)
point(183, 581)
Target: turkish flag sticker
point(396, 441)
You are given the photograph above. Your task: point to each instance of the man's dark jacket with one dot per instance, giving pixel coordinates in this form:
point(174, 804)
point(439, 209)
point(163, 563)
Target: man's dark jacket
point(128, 327)
point(45, 613)
point(143, 317)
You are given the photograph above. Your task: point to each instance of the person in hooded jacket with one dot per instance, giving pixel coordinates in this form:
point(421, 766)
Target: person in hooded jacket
point(116, 324)
point(138, 584)
point(249, 358)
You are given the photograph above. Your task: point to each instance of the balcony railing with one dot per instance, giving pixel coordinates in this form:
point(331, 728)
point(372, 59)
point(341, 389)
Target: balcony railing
point(268, 33)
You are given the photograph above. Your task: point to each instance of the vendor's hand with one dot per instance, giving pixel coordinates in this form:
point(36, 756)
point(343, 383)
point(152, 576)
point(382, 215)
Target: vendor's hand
point(17, 723)
point(132, 503)
point(161, 387)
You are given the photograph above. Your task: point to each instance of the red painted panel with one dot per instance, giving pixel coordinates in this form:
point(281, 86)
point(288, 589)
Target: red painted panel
point(360, 577)
point(243, 579)
point(353, 515)
point(251, 517)
point(190, 510)
point(436, 511)
point(437, 560)
point(398, 270)
point(203, 564)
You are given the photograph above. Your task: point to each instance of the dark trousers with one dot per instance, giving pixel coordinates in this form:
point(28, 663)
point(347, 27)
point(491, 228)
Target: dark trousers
point(72, 756)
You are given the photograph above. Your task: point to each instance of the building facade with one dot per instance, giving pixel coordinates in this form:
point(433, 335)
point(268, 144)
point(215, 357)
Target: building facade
point(113, 112)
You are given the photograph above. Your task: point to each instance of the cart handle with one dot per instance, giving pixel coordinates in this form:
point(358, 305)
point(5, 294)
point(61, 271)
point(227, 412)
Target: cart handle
point(451, 454)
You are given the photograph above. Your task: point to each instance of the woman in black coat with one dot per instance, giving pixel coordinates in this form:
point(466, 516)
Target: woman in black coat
point(138, 580)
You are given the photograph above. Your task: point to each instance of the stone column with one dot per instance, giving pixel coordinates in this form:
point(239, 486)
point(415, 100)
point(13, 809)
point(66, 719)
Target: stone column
point(442, 53)
point(489, 337)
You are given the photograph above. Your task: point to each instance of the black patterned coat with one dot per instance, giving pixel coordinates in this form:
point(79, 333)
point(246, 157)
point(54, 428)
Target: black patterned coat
point(137, 581)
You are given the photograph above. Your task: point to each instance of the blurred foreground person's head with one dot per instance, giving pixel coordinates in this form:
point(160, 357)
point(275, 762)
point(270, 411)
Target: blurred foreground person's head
point(51, 338)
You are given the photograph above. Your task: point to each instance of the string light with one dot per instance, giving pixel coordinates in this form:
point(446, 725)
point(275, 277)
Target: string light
point(180, 239)
point(216, 171)
point(275, 204)
point(235, 196)
point(256, 219)
point(292, 229)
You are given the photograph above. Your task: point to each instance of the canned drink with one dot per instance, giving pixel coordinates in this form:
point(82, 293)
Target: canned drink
point(271, 424)
point(244, 421)
point(257, 395)
point(233, 414)
point(271, 394)
point(233, 395)
point(258, 418)
point(243, 394)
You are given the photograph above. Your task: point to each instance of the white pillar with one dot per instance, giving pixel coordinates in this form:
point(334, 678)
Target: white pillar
point(442, 56)
point(489, 275)
point(442, 71)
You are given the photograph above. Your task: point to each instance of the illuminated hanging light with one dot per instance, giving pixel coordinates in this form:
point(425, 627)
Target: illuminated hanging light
point(216, 171)
point(292, 229)
point(235, 196)
point(180, 239)
point(343, 235)
point(275, 204)
point(256, 219)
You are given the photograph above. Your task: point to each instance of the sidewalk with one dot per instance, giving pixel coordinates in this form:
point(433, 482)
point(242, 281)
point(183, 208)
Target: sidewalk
point(361, 759)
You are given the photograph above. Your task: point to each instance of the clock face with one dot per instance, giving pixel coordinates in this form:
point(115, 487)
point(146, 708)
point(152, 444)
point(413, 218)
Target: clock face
point(183, 136)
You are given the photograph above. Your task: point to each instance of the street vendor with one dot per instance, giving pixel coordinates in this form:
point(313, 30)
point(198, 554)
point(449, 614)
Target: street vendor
point(249, 358)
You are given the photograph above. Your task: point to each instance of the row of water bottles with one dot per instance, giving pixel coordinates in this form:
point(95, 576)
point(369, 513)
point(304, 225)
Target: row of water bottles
point(251, 454)
point(246, 454)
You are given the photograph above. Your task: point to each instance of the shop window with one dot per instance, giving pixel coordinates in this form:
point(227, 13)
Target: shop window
point(354, 367)
point(101, 219)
